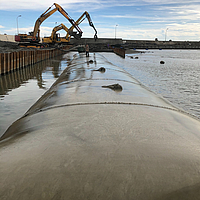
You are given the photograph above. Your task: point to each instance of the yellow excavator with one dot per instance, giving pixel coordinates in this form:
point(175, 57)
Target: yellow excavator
point(34, 37)
point(54, 38)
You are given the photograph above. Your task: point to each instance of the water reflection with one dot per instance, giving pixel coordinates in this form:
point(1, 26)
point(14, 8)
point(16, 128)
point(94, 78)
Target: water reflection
point(17, 78)
point(20, 89)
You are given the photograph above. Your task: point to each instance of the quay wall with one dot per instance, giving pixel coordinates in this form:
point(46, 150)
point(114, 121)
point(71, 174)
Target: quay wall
point(12, 61)
point(138, 44)
point(119, 51)
point(151, 44)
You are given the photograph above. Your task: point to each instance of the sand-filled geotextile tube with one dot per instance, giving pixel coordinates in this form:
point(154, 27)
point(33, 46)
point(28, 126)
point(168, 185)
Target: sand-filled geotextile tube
point(100, 134)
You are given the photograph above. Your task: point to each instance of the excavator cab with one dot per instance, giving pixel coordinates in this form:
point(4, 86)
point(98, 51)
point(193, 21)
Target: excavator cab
point(58, 37)
point(75, 34)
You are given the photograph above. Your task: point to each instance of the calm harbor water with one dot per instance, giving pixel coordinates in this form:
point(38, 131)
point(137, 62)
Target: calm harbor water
point(177, 80)
point(21, 89)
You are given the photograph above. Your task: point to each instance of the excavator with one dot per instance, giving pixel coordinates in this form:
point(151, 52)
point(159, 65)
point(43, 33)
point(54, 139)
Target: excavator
point(34, 36)
point(54, 38)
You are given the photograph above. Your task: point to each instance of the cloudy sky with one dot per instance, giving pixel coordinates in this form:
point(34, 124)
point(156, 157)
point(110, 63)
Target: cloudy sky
point(128, 19)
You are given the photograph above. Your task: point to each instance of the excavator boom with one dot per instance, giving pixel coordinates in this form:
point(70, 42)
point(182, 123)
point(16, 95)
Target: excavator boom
point(35, 35)
point(81, 18)
point(54, 37)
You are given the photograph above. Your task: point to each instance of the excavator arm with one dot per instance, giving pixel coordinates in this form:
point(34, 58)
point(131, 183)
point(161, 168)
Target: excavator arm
point(81, 18)
point(57, 28)
point(54, 37)
point(46, 14)
point(35, 35)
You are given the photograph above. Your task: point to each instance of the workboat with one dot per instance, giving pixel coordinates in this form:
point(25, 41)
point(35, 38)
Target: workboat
point(98, 133)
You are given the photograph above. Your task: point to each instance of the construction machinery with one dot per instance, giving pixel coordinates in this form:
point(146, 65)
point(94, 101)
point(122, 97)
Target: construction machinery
point(34, 36)
point(55, 38)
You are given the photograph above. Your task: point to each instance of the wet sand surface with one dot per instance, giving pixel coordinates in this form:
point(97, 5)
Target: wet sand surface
point(84, 141)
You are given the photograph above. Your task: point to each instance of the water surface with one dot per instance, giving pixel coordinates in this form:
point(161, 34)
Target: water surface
point(21, 89)
point(177, 80)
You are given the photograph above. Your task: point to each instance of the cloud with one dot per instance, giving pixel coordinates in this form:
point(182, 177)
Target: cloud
point(124, 16)
point(42, 5)
point(138, 19)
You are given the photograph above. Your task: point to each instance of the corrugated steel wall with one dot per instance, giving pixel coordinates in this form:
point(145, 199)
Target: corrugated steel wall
point(15, 60)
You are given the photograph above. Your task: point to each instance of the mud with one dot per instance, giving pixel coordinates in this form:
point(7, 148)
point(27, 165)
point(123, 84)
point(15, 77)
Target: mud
point(6, 47)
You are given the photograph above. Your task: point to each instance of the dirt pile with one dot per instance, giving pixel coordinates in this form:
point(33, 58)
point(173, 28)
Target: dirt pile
point(6, 47)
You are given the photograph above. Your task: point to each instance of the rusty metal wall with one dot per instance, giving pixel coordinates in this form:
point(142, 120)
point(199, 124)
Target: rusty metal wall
point(15, 60)
point(119, 51)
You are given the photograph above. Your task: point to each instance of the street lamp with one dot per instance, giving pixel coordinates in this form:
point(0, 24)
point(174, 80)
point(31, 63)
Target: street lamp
point(115, 30)
point(17, 24)
point(166, 33)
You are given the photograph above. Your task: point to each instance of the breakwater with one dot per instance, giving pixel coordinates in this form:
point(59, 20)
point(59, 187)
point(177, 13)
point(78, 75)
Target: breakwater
point(101, 44)
point(12, 61)
point(151, 44)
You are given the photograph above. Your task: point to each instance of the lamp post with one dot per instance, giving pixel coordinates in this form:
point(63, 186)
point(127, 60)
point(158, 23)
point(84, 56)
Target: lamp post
point(17, 24)
point(115, 30)
point(166, 34)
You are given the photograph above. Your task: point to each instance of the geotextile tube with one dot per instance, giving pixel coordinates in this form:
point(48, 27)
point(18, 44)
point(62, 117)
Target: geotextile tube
point(84, 141)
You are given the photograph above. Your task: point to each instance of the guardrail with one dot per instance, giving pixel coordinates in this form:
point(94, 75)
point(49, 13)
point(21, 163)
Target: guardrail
point(15, 60)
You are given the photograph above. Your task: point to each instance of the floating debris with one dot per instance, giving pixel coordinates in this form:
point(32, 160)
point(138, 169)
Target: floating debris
point(162, 62)
point(91, 61)
point(115, 87)
point(101, 69)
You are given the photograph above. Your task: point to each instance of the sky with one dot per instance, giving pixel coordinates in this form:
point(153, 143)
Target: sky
point(176, 20)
